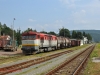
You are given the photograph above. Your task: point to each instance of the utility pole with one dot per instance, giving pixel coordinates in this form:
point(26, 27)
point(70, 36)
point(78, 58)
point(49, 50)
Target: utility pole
point(0, 31)
point(13, 29)
point(13, 42)
point(59, 32)
point(64, 31)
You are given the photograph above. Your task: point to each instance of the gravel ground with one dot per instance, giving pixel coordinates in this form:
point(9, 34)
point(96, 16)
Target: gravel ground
point(7, 53)
point(42, 68)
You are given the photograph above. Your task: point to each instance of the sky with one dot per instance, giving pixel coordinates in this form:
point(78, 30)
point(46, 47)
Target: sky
point(51, 15)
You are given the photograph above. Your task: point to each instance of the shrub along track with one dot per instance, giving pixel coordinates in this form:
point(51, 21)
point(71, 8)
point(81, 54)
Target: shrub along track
point(15, 67)
point(74, 65)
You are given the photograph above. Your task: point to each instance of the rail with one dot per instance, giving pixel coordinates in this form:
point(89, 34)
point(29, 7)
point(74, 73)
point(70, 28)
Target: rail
point(15, 67)
point(76, 70)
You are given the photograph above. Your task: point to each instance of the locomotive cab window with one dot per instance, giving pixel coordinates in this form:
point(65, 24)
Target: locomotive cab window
point(29, 37)
point(32, 37)
point(24, 37)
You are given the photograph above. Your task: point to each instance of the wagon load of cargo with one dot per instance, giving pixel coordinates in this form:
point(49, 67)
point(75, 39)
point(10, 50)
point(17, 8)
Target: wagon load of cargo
point(6, 43)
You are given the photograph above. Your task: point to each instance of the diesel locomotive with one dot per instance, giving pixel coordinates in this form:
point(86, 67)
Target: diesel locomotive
point(34, 42)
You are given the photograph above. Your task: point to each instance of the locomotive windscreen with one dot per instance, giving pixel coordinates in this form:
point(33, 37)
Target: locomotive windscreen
point(29, 37)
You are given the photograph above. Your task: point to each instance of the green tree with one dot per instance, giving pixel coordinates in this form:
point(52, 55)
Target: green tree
point(7, 31)
point(74, 34)
point(18, 37)
point(79, 35)
point(0, 28)
point(0, 25)
point(44, 32)
point(29, 29)
point(84, 34)
point(89, 37)
point(64, 32)
point(35, 30)
point(52, 33)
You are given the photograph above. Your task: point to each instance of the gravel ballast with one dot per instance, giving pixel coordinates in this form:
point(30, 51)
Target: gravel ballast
point(42, 68)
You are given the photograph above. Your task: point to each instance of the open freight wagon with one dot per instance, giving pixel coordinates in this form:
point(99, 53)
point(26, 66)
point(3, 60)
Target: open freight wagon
point(6, 43)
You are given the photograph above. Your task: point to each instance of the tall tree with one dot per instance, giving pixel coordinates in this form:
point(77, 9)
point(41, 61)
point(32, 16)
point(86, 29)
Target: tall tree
point(79, 35)
point(29, 29)
point(84, 34)
point(44, 32)
point(89, 37)
point(7, 31)
point(74, 34)
point(18, 37)
point(64, 32)
point(52, 33)
point(35, 30)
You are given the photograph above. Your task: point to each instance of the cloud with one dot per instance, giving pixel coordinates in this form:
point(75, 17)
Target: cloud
point(58, 21)
point(69, 3)
point(85, 15)
point(64, 1)
point(93, 7)
point(79, 14)
point(54, 26)
point(81, 20)
point(83, 11)
point(31, 20)
point(41, 27)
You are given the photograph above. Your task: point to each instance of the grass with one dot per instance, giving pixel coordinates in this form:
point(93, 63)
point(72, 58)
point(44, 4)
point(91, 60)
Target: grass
point(34, 69)
point(93, 68)
point(42, 54)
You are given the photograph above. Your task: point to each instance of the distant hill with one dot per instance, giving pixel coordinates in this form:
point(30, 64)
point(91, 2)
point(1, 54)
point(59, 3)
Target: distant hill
point(94, 33)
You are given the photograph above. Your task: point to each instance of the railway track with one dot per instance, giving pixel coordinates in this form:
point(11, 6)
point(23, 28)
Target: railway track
point(13, 57)
point(15, 67)
point(74, 65)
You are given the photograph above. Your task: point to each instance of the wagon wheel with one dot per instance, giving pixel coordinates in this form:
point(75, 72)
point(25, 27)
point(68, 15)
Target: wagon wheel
point(13, 50)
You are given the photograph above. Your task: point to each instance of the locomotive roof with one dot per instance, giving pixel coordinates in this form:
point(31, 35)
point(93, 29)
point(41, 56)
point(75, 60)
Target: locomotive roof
point(32, 32)
point(38, 33)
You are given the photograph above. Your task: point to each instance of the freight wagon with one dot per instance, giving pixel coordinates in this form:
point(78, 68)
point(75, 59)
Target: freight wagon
point(6, 43)
point(75, 42)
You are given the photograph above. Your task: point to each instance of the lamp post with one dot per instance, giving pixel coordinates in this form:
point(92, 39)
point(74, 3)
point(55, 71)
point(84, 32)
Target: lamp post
point(13, 29)
point(64, 31)
point(0, 31)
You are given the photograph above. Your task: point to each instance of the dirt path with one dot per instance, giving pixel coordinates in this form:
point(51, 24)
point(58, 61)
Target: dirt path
point(7, 53)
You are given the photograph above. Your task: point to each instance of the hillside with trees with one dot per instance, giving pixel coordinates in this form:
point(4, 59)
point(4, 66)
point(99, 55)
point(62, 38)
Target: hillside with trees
point(94, 33)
